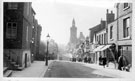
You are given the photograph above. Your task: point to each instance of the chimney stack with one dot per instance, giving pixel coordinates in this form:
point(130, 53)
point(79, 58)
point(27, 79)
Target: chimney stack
point(110, 16)
point(111, 12)
point(107, 11)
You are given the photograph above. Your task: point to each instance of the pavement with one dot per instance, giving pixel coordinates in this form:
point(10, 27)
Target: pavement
point(64, 69)
point(111, 69)
point(36, 69)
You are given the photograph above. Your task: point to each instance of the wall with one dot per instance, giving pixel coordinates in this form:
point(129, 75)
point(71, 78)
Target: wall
point(122, 14)
point(125, 44)
point(102, 36)
point(114, 36)
point(120, 27)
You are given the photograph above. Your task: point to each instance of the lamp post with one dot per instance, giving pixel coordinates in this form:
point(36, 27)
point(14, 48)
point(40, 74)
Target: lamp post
point(47, 50)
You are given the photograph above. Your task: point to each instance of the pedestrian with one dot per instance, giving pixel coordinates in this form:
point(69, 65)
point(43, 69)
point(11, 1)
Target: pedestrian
point(89, 59)
point(120, 62)
point(104, 61)
point(100, 60)
point(85, 59)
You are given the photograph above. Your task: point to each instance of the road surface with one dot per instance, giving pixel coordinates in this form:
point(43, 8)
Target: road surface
point(62, 69)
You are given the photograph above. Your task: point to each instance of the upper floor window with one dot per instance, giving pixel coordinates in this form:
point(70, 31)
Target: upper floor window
point(111, 32)
point(28, 8)
point(12, 5)
point(126, 5)
point(126, 27)
point(99, 39)
point(11, 30)
point(102, 39)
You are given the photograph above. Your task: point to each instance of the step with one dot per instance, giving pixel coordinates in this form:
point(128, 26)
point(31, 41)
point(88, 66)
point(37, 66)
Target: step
point(19, 68)
point(16, 65)
point(9, 60)
point(5, 69)
point(13, 62)
point(8, 73)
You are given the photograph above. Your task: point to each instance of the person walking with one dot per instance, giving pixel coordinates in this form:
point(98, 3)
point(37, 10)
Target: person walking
point(85, 59)
point(100, 60)
point(122, 62)
point(89, 59)
point(104, 61)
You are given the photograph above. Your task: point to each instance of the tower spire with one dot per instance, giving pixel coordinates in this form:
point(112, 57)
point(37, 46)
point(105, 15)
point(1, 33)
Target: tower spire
point(73, 22)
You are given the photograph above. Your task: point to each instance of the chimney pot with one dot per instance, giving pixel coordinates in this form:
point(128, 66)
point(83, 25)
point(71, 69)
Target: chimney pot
point(111, 12)
point(107, 10)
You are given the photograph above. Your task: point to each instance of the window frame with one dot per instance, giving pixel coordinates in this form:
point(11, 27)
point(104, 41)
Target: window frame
point(11, 33)
point(125, 7)
point(126, 27)
point(111, 32)
point(13, 5)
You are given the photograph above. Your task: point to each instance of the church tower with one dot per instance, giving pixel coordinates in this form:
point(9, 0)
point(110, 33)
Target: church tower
point(73, 33)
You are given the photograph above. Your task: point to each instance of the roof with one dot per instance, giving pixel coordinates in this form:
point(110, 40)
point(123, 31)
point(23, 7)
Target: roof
point(33, 11)
point(96, 29)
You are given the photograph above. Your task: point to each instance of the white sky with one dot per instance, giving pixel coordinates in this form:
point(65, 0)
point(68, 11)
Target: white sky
point(55, 16)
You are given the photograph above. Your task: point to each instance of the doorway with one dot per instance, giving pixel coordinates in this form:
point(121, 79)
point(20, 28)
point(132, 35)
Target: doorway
point(25, 60)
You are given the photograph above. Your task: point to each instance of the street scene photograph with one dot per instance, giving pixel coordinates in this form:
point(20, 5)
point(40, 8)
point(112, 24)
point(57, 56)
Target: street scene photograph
point(67, 39)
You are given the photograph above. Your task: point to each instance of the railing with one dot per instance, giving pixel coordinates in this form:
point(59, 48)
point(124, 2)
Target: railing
point(8, 59)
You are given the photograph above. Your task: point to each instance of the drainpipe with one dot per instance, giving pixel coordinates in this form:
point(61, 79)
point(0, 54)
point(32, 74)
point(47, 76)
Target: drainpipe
point(117, 28)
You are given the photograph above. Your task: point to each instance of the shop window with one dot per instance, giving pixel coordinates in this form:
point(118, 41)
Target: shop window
point(11, 30)
point(126, 27)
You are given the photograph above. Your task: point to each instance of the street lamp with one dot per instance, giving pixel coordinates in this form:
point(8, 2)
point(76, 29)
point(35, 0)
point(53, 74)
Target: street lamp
point(48, 37)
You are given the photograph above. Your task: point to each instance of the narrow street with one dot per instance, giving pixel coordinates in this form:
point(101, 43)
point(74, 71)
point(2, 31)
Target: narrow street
point(63, 69)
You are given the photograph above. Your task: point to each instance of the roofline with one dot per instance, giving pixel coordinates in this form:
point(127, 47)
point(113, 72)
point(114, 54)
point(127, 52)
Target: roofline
point(33, 11)
point(94, 26)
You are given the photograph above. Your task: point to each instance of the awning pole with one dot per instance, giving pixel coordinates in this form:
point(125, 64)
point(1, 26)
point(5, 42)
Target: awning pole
point(113, 57)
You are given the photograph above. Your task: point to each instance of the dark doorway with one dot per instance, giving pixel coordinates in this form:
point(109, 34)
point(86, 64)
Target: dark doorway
point(119, 50)
point(25, 60)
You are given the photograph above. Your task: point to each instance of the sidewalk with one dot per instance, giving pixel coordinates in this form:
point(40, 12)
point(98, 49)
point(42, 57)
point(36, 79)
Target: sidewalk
point(111, 69)
point(37, 69)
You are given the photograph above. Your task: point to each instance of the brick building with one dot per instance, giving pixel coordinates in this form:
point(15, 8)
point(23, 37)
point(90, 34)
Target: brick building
point(18, 23)
point(99, 38)
point(124, 30)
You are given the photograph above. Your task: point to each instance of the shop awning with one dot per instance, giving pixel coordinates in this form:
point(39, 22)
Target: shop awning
point(105, 47)
point(98, 48)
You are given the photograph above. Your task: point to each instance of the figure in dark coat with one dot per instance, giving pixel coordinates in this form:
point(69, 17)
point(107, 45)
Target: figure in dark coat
point(85, 59)
point(122, 62)
point(89, 59)
point(100, 60)
point(104, 61)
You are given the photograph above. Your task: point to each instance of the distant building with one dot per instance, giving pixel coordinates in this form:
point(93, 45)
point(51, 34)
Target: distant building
point(99, 38)
point(96, 29)
point(36, 38)
point(73, 33)
point(81, 37)
point(18, 23)
point(39, 29)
